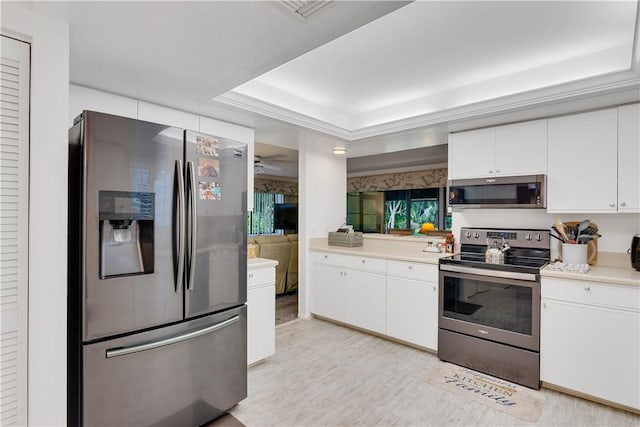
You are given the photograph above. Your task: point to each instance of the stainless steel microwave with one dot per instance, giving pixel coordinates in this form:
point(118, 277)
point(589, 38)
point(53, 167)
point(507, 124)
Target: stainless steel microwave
point(500, 192)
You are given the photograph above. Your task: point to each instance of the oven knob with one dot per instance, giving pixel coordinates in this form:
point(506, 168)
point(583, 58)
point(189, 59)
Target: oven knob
point(476, 235)
point(528, 237)
point(539, 237)
point(468, 235)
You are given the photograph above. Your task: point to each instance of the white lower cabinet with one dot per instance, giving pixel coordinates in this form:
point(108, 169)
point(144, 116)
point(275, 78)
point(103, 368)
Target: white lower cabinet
point(395, 298)
point(365, 299)
point(412, 303)
point(590, 339)
point(327, 292)
point(412, 311)
point(261, 313)
point(349, 289)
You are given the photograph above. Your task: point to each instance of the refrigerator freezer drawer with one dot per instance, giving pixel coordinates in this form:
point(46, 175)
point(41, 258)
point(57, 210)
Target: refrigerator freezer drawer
point(185, 374)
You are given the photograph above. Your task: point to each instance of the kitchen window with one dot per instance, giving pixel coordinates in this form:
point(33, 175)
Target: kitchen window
point(398, 210)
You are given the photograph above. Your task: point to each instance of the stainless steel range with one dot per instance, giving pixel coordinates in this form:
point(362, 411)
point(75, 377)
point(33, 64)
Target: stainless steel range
point(489, 308)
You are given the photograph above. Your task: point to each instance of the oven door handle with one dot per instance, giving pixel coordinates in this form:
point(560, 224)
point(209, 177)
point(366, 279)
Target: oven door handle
point(489, 273)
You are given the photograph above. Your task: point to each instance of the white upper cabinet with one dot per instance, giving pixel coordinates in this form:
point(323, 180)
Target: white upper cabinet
point(517, 149)
point(472, 154)
point(168, 116)
point(82, 98)
point(582, 163)
point(521, 149)
point(629, 158)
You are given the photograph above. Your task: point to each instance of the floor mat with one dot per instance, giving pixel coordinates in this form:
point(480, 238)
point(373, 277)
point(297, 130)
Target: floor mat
point(513, 399)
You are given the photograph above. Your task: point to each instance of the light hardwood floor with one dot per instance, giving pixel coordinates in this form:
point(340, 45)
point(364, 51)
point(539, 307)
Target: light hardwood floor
point(327, 375)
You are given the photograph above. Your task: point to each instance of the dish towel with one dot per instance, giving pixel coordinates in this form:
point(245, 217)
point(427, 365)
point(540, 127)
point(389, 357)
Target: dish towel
point(571, 268)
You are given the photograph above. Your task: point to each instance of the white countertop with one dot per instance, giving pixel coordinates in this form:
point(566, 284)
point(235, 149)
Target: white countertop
point(394, 249)
point(599, 273)
point(257, 263)
point(411, 253)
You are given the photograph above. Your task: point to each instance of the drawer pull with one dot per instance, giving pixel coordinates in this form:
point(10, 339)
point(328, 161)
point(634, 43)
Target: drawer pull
point(364, 260)
point(411, 267)
point(326, 256)
point(587, 287)
point(122, 351)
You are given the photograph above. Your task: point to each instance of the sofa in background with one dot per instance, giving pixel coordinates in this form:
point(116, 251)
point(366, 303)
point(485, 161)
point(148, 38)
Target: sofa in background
point(283, 249)
point(292, 271)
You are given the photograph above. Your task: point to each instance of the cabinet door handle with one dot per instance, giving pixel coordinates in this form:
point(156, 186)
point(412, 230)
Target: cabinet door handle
point(326, 256)
point(250, 274)
point(587, 287)
point(497, 170)
point(411, 267)
point(434, 288)
point(612, 205)
point(544, 305)
point(623, 204)
point(490, 170)
point(364, 260)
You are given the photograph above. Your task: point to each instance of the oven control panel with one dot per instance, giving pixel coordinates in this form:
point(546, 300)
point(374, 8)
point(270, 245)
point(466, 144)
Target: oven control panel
point(506, 235)
point(521, 238)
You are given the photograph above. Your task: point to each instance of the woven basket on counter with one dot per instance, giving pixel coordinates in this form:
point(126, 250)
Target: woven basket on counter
point(350, 240)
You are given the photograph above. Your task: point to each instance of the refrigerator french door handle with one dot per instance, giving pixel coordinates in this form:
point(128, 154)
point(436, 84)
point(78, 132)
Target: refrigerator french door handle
point(194, 224)
point(122, 351)
point(181, 226)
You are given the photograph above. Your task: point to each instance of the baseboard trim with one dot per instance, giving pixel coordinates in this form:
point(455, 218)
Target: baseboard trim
point(590, 397)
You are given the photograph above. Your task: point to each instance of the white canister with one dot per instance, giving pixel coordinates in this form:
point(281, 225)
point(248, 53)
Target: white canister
point(574, 254)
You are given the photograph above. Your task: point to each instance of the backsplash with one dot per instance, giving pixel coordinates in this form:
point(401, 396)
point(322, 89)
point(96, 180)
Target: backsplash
point(431, 178)
point(616, 229)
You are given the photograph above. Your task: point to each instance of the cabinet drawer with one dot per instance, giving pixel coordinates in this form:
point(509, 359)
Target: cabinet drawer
point(413, 270)
point(580, 292)
point(327, 258)
point(262, 276)
point(377, 265)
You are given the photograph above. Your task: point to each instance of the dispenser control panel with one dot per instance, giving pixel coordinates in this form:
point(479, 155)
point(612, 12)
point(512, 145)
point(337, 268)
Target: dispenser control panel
point(126, 233)
point(125, 205)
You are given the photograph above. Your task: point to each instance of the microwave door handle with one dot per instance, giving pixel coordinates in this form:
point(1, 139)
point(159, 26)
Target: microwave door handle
point(181, 226)
point(194, 224)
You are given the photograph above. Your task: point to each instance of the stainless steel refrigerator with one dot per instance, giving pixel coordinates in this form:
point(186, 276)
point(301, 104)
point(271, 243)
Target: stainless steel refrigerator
point(157, 274)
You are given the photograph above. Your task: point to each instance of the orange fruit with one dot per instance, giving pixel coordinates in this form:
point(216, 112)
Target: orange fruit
point(427, 226)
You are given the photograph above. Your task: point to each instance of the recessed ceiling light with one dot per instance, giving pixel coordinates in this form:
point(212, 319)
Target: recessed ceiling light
point(339, 150)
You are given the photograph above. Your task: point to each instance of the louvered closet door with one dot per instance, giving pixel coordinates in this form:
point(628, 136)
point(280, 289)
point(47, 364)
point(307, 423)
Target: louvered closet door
point(14, 216)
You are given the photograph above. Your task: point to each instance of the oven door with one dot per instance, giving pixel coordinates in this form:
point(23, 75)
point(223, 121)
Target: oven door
point(500, 309)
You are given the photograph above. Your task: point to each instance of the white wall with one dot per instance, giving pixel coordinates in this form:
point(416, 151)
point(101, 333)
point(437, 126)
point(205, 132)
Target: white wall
point(322, 204)
point(48, 210)
point(616, 229)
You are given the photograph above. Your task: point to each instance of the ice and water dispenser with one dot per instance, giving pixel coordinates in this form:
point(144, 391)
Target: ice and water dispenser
point(126, 222)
